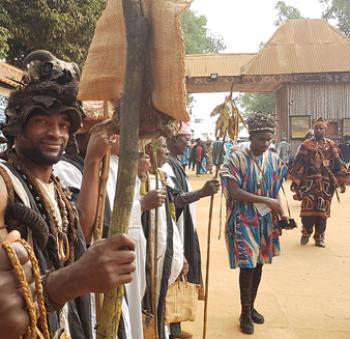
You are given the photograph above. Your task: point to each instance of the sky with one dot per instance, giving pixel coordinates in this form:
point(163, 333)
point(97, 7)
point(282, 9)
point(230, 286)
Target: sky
point(243, 24)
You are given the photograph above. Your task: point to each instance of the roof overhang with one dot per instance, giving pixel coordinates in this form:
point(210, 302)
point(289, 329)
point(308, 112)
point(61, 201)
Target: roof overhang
point(260, 83)
point(9, 73)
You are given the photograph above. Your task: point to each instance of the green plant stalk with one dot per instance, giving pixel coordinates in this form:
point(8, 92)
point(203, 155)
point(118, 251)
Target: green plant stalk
point(136, 34)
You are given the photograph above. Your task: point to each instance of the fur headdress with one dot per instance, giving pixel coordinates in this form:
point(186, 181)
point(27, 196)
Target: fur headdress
point(49, 86)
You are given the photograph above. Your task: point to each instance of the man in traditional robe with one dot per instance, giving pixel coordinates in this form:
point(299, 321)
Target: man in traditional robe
point(70, 170)
point(170, 259)
point(251, 180)
point(317, 173)
point(42, 117)
point(183, 199)
point(283, 150)
point(218, 152)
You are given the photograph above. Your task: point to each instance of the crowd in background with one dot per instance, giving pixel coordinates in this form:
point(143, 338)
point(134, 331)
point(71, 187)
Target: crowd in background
point(201, 155)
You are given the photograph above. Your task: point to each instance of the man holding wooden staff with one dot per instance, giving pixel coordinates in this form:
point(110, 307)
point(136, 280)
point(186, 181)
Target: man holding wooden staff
point(251, 181)
point(42, 117)
point(183, 199)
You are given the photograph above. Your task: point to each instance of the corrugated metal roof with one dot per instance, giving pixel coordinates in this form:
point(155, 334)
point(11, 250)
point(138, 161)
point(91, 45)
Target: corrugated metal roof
point(226, 87)
point(8, 72)
point(302, 46)
point(202, 65)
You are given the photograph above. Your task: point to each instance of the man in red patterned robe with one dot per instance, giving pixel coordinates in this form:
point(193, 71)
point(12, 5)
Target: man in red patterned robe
point(316, 175)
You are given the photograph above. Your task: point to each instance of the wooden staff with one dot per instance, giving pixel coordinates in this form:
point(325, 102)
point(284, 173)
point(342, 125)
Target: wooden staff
point(102, 193)
point(155, 252)
point(137, 30)
point(208, 248)
point(101, 205)
point(209, 238)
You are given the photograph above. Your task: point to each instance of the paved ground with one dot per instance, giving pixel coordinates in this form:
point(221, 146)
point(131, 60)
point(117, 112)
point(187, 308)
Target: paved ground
point(304, 294)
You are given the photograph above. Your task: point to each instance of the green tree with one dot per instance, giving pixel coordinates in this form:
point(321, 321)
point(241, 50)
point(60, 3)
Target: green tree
point(253, 102)
point(197, 37)
point(339, 10)
point(285, 12)
point(64, 27)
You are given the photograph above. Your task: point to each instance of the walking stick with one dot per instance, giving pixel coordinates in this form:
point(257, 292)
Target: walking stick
point(136, 32)
point(155, 258)
point(102, 192)
point(217, 169)
point(101, 205)
point(230, 110)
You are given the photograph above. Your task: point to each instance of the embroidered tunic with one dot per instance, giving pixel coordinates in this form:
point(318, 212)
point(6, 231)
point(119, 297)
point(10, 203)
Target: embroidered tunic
point(251, 237)
point(316, 170)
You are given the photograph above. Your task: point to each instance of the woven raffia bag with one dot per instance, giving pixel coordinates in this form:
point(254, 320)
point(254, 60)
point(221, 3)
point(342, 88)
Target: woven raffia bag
point(104, 71)
point(181, 301)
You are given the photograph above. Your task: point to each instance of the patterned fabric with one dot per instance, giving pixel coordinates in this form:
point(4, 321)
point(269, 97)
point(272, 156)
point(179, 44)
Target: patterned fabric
point(316, 170)
point(252, 238)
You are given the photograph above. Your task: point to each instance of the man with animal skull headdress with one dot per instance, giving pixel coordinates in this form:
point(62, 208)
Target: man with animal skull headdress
point(316, 173)
point(42, 117)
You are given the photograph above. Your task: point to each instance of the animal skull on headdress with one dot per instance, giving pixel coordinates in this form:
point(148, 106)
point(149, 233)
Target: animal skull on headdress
point(41, 65)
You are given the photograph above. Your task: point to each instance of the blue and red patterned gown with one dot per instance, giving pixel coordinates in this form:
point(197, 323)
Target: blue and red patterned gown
point(252, 238)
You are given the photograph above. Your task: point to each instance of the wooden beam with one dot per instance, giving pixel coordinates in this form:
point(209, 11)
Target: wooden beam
point(260, 83)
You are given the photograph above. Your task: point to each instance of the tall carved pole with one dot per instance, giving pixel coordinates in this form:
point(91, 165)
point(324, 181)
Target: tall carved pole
point(137, 30)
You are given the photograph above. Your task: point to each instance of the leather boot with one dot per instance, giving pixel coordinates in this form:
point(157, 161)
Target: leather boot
point(319, 240)
point(304, 239)
point(256, 316)
point(246, 323)
point(245, 288)
point(306, 234)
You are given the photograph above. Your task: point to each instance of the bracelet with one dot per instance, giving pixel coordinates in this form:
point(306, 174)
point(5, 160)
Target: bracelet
point(50, 305)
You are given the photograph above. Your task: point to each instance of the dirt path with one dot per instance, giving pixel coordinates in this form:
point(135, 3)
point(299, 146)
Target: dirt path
point(304, 294)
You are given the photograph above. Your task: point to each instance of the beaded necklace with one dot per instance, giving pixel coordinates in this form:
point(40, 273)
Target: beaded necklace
point(48, 211)
point(321, 149)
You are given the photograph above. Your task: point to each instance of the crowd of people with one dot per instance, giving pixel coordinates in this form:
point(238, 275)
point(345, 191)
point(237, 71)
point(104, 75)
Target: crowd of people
point(49, 179)
point(49, 183)
point(253, 173)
